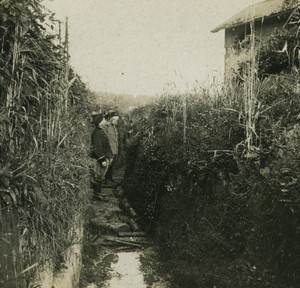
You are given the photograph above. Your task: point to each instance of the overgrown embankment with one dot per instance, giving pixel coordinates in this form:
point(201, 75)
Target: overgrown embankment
point(226, 215)
point(44, 136)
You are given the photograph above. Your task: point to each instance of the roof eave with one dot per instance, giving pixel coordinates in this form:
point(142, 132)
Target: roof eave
point(222, 26)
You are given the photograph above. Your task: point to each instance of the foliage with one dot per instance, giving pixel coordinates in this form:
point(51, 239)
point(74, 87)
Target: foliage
point(160, 148)
point(225, 218)
point(279, 52)
point(43, 108)
point(224, 199)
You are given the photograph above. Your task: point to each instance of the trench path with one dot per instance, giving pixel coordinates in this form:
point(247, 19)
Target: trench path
point(116, 253)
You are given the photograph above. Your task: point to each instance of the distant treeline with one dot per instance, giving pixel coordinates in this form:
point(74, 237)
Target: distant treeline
point(121, 102)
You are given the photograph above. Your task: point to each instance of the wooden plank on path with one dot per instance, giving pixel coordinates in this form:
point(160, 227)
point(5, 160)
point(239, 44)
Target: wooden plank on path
point(133, 225)
point(137, 240)
point(131, 212)
point(132, 234)
point(124, 242)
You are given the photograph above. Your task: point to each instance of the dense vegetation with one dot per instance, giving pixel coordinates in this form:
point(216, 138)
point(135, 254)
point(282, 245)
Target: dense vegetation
point(217, 177)
point(44, 176)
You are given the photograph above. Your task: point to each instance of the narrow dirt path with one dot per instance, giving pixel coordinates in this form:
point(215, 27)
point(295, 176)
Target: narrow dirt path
point(116, 253)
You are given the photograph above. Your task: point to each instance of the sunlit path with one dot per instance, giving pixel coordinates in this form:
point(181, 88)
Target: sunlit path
point(126, 272)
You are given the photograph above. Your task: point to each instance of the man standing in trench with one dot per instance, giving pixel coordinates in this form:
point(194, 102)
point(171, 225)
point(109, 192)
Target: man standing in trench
point(112, 133)
point(101, 152)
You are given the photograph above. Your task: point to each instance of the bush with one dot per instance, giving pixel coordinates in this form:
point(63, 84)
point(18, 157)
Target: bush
point(44, 170)
point(223, 217)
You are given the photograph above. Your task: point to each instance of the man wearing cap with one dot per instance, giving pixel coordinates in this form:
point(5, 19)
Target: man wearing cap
point(111, 131)
point(102, 152)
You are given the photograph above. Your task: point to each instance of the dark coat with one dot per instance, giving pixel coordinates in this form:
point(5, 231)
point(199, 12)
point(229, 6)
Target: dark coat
point(112, 134)
point(100, 144)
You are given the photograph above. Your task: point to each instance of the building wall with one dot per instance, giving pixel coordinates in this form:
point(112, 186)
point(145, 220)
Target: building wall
point(262, 29)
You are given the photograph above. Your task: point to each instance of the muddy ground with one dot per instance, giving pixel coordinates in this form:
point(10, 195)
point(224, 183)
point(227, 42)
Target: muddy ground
point(116, 252)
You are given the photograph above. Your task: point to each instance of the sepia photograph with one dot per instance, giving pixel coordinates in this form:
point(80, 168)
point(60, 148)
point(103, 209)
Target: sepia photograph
point(149, 143)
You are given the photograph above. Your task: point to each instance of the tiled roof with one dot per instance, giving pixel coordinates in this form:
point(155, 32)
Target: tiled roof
point(253, 12)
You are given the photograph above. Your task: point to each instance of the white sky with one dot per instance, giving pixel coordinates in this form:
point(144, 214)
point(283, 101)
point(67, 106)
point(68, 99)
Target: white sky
point(138, 46)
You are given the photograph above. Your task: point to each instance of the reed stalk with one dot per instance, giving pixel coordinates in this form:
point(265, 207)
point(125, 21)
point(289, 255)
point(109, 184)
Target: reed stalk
point(250, 99)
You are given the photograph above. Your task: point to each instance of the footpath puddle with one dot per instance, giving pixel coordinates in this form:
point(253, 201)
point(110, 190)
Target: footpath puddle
point(116, 254)
point(126, 272)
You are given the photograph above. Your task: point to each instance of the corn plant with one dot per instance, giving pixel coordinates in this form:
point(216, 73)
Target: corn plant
point(43, 166)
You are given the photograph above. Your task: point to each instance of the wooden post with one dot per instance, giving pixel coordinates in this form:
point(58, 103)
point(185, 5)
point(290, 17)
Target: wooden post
point(59, 32)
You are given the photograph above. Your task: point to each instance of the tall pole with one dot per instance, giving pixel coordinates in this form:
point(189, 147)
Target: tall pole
point(67, 64)
point(59, 32)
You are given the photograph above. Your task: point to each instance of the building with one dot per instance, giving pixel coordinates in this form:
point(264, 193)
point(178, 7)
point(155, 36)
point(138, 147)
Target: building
point(264, 17)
